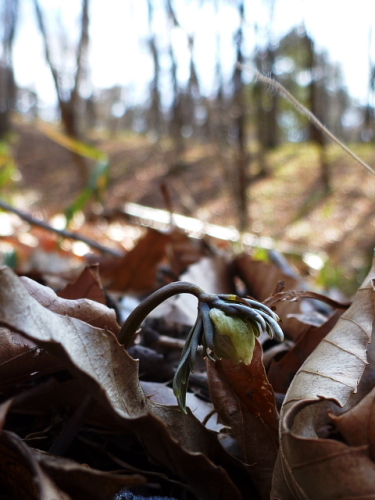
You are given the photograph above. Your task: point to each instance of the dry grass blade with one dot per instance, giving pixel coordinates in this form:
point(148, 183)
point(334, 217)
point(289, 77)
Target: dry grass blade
point(274, 85)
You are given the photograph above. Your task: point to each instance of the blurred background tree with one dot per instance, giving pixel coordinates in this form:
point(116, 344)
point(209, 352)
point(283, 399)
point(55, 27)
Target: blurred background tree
point(186, 79)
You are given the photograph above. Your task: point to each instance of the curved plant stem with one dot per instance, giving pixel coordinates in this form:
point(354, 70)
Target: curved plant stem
point(134, 320)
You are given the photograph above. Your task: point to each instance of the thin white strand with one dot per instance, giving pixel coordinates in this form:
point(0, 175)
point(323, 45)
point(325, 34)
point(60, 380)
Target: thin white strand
point(280, 89)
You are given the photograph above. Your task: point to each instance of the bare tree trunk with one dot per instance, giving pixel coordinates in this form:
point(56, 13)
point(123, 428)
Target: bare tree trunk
point(177, 120)
point(239, 105)
point(368, 132)
point(317, 108)
point(155, 114)
point(259, 96)
point(266, 103)
point(220, 126)
point(7, 83)
point(154, 111)
point(271, 131)
point(219, 119)
point(69, 108)
point(193, 98)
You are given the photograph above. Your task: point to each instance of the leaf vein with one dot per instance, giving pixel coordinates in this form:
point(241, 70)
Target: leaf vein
point(345, 350)
point(338, 453)
point(329, 377)
point(368, 335)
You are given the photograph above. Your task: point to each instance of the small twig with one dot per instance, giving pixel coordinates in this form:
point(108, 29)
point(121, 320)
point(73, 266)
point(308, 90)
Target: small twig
point(208, 416)
point(293, 295)
point(281, 90)
point(62, 232)
point(169, 342)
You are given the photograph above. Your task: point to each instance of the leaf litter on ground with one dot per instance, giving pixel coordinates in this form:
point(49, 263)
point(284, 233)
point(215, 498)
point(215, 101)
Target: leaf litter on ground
point(57, 350)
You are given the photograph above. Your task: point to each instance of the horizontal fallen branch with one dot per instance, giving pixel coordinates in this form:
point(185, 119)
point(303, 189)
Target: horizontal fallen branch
point(62, 232)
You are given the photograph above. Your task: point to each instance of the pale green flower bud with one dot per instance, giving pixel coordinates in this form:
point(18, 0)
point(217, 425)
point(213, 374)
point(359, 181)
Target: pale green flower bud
point(234, 337)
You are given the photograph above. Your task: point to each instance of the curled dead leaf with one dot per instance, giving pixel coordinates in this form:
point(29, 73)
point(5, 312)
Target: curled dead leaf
point(90, 311)
point(310, 466)
point(357, 425)
point(83, 482)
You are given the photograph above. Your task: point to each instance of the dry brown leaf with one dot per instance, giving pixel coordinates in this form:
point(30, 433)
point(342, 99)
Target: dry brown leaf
point(88, 351)
point(310, 467)
point(137, 270)
point(357, 425)
point(89, 311)
point(21, 473)
point(183, 251)
point(281, 372)
point(261, 280)
point(102, 366)
point(63, 397)
point(245, 401)
point(212, 274)
point(86, 286)
point(161, 394)
point(19, 360)
point(84, 483)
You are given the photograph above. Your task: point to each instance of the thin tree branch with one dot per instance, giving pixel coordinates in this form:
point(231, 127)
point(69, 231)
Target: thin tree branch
point(62, 232)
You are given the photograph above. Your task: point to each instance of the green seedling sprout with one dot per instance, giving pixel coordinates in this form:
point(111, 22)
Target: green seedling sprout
point(226, 326)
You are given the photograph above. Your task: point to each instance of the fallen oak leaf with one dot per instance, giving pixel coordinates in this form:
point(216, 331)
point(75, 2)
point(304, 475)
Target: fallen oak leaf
point(335, 367)
point(53, 397)
point(183, 251)
point(81, 482)
point(72, 340)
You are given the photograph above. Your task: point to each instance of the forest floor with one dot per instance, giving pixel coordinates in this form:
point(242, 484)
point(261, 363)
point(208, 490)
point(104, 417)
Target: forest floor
point(288, 205)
